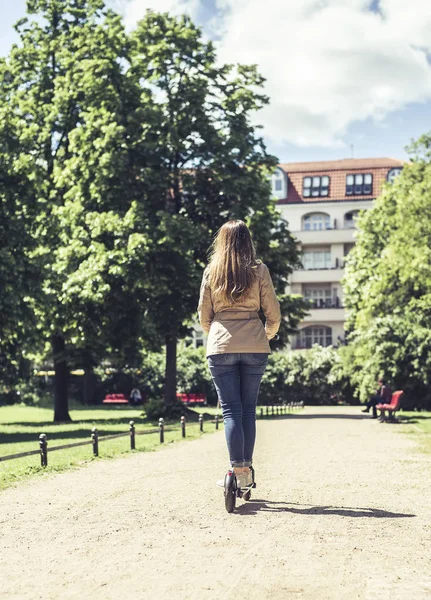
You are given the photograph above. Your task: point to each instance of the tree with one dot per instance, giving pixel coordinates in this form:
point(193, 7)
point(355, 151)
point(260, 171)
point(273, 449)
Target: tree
point(17, 277)
point(214, 168)
point(388, 282)
point(77, 116)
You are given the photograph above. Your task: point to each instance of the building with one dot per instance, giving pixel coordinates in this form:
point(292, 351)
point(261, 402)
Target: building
point(321, 200)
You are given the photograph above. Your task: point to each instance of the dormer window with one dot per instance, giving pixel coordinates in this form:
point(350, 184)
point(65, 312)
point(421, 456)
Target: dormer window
point(393, 173)
point(279, 184)
point(360, 184)
point(315, 187)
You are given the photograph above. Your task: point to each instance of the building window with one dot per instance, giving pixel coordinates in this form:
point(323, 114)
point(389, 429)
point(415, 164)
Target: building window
point(360, 184)
point(350, 219)
point(319, 297)
point(348, 248)
point(393, 173)
point(320, 335)
point(315, 187)
point(199, 339)
point(322, 297)
point(320, 259)
point(279, 184)
point(316, 222)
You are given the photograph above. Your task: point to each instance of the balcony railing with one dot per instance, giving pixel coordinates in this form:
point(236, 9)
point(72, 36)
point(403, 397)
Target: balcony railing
point(307, 344)
point(333, 224)
point(325, 303)
point(338, 264)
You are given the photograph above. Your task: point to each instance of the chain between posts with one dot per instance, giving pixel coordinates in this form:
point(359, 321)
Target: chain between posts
point(94, 441)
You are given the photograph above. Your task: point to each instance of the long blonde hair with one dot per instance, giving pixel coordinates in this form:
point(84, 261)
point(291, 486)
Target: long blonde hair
point(232, 258)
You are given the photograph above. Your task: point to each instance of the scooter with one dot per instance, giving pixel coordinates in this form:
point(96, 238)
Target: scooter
point(232, 491)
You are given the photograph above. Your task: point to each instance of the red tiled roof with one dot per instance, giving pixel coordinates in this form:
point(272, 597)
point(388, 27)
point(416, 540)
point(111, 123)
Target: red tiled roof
point(344, 164)
point(337, 171)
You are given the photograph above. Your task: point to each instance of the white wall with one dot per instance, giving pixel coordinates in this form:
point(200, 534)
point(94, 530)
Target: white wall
point(293, 213)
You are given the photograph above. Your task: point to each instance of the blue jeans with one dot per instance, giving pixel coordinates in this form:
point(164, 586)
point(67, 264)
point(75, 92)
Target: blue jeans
point(237, 380)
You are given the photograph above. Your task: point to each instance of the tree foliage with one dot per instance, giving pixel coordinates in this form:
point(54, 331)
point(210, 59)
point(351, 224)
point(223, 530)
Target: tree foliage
point(215, 166)
point(388, 284)
point(121, 156)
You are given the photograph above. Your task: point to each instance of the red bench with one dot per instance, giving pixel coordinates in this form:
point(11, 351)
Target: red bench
point(391, 408)
point(192, 398)
point(115, 399)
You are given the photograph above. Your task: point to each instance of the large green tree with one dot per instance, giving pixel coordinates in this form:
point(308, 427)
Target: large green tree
point(77, 118)
point(17, 275)
point(133, 151)
point(388, 283)
point(214, 166)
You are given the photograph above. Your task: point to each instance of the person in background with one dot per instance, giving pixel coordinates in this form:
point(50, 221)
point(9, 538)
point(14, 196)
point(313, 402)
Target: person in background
point(135, 396)
point(383, 395)
point(235, 286)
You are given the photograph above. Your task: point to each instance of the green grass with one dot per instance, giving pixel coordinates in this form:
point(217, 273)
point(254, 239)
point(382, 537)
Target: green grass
point(20, 427)
point(418, 426)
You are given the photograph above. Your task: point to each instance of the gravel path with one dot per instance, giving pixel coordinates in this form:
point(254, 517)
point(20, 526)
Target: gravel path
point(334, 517)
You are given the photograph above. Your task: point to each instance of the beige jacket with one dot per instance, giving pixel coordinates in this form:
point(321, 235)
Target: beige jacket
point(233, 328)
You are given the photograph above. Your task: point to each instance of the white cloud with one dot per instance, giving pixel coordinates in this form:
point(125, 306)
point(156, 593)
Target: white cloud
point(328, 63)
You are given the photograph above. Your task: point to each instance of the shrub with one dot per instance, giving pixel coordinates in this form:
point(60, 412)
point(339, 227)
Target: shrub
point(157, 408)
point(193, 373)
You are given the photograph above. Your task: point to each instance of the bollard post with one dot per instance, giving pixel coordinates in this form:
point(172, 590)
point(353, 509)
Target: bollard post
point(132, 435)
point(201, 422)
point(216, 421)
point(95, 440)
point(43, 445)
point(261, 413)
point(183, 426)
point(272, 410)
point(267, 409)
point(162, 430)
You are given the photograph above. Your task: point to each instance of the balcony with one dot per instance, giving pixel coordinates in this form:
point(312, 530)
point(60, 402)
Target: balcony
point(329, 275)
point(325, 303)
point(326, 315)
point(298, 344)
point(326, 236)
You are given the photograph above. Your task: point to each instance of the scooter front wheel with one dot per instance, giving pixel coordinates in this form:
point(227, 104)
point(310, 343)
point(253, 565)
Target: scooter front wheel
point(230, 491)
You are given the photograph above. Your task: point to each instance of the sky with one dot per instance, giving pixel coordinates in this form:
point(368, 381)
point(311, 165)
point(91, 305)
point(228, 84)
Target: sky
point(345, 77)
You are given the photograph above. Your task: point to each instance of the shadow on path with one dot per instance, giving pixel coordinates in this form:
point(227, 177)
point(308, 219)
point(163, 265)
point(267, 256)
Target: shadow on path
point(254, 506)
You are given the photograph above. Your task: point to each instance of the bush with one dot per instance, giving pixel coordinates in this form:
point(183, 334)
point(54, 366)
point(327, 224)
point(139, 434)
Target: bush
point(157, 408)
point(311, 376)
point(193, 373)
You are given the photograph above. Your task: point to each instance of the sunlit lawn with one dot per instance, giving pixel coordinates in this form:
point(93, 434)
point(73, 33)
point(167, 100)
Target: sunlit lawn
point(417, 425)
point(20, 427)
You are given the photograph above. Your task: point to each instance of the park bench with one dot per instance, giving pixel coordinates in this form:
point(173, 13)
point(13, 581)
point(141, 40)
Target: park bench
point(192, 399)
point(115, 399)
point(391, 408)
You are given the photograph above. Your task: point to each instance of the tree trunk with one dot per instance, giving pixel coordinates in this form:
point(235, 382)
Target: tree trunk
point(171, 370)
point(61, 376)
point(89, 385)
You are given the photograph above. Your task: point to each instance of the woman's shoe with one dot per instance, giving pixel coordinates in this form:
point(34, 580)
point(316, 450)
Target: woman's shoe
point(244, 478)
